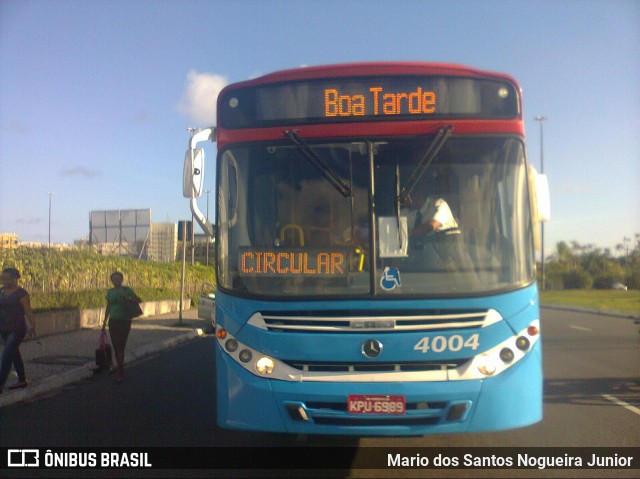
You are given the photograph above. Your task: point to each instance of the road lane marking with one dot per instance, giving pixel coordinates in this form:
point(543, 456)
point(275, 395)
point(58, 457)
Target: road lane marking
point(623, 404)
point(580, 328)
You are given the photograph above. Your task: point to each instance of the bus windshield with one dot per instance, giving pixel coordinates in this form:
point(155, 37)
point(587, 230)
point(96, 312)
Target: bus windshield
point(402, 223)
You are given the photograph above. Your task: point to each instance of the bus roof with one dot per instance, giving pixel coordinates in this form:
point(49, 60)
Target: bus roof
point(371, 68)
point(259, 108)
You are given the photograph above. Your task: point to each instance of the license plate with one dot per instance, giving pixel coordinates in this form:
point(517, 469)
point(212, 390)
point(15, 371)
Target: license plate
point(377, 404)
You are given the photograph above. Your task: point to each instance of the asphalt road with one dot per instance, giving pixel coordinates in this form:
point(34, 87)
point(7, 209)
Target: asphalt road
point(592, 399)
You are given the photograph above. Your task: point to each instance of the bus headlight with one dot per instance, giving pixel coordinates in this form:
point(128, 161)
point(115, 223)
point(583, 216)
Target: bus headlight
point(486, 365)
point(265, 365)
point(523, 343)
point(255, 362)
point(245, 356)
point(507, 355)
point(231, 345)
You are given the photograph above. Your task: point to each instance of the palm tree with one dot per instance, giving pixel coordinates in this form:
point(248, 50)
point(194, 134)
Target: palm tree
point(564, 252)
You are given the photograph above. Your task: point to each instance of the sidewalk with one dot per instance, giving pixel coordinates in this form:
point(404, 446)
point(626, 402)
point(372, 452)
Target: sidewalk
point(66, 358)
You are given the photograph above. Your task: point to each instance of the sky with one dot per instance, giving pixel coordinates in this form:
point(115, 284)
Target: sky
point(96, 97)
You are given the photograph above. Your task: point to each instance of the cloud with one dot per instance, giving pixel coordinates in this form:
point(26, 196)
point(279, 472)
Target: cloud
point(571, 188)
point(15, 126)
point(198, 102)
point(28, 221)
point(142, 117)
point(80, 171)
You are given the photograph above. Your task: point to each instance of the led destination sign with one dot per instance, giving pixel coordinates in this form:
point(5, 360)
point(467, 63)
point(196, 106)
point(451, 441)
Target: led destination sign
point(381, 103)
point(368, 99)
point(291, 262)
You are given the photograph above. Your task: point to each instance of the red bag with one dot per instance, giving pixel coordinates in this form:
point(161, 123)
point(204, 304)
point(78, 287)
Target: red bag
point(103, 353)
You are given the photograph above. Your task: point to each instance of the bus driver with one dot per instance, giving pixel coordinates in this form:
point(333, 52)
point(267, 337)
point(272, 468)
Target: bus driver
point(430, 213)
point(433, 216)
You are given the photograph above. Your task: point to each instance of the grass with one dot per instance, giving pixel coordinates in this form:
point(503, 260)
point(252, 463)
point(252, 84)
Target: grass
point(600, 299)
point(41, 302)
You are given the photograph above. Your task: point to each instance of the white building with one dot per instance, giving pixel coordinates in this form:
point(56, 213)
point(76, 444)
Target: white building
point(164, 242)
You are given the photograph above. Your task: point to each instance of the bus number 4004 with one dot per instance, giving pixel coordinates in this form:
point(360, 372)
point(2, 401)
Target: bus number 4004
point(439, 344)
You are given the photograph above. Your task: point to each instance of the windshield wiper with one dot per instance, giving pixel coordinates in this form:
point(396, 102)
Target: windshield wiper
point(443, 134)
point(331, 176)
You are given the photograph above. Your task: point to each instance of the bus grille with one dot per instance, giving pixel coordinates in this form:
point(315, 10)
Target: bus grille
point(377, 367)
point(362, 321)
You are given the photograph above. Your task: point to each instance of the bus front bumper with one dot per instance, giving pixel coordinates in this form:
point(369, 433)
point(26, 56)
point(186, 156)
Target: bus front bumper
point(511, 399)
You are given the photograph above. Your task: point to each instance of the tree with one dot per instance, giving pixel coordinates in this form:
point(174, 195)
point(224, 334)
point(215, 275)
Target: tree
point(585, 266)
point(564, 252)
point(577, 279)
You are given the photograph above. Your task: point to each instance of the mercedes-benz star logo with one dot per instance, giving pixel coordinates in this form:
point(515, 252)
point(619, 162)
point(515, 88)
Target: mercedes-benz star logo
point(372, 348)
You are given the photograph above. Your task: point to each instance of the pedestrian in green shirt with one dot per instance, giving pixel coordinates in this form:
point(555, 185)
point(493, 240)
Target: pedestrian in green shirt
point(119, 319)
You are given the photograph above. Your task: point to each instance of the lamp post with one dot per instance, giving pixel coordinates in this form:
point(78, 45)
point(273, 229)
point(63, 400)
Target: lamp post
point(626, 256)
point(541, 119)
point(50, 193)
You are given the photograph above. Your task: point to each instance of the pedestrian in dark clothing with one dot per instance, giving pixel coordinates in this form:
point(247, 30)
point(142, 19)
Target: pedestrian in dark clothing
point(16, 320)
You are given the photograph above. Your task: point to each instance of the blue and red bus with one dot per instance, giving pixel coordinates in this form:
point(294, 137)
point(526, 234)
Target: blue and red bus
point(375, 242)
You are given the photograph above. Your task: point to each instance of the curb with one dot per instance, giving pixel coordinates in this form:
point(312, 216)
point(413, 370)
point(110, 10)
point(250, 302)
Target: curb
point(87, 370)
point(577, 309)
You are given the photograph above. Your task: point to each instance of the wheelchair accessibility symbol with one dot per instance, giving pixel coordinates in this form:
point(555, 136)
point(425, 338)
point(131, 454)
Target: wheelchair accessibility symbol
point(390, 279)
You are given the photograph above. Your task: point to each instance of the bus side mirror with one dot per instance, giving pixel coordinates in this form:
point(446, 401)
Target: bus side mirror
point(193, 173)
point(543, 198)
